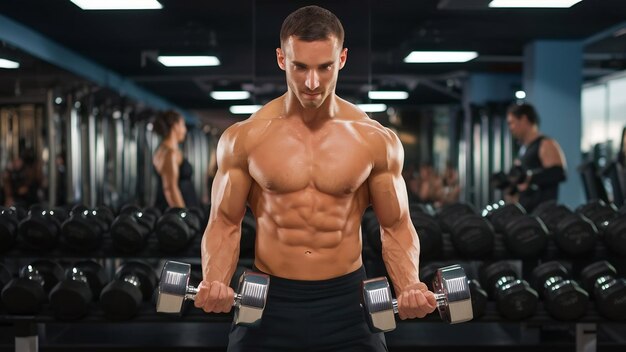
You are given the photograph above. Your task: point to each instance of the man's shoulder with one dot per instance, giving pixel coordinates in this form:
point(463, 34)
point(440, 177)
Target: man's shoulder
point(362, 122)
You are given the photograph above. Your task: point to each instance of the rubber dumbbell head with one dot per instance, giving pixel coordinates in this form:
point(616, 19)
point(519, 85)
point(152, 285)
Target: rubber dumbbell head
point(472, 236)
point(70, 299)
point(451, 213)
point(132, 227)
point(599, 212)
point(576, 235)
point(451, 290)
point(526, 236)
point(5, 277)
point(609, 291)
point(134, 283)
point(176, 228)
point(9, 220)
point(500, 214)
point(615, 235)
point(551, 213)
point(40, 230)
point(84, 229)
point(249, 301)
point(564, 298)
point(515, 298)
point(27, 293)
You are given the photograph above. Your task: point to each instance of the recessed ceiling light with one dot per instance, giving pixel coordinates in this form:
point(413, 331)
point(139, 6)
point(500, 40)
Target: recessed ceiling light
point(533, 3)
point(230, 95)
point(118, 4)
point(188, 61)
point(244, 109)
point(422, 57)
point(520, 94)
point(372, 107)
point(4, 63)
point(388, 95)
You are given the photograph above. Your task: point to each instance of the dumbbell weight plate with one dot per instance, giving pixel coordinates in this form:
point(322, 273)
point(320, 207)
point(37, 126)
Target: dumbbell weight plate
point(451, 213)
point(615, 235)
point(526, 236)
point(551, 213)
point(23, 296)
point(576, 235)
point(120, 299)
point(472, 236)
point(8, 228)
point(504, 214)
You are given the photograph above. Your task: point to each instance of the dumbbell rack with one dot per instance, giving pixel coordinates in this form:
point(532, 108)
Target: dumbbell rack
point(27, 328)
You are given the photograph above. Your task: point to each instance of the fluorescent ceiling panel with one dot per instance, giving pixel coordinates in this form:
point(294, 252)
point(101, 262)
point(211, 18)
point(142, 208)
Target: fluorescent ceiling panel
point(230, 95)
point(4, 63)
point(372, 107)
point(424, 57)
point(244, 109)
point(533, 3)
point(388, 95)
point(118, 4)
point(188, 61)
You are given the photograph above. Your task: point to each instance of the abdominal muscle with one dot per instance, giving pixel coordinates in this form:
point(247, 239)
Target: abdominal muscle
point(308, 235)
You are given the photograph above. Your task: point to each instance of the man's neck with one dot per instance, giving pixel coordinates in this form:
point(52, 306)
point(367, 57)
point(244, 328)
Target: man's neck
point(311, 117)
point(530, 137)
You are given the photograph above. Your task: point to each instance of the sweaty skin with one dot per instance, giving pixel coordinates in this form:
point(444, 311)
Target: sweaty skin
point(308, 164)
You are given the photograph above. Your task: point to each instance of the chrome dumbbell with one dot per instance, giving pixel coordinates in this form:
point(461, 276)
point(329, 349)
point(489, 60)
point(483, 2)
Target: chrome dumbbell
point(452, 293)
point(249, 302)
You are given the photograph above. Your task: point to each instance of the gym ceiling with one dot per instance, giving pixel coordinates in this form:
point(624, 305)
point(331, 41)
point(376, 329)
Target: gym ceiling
point(243, 34)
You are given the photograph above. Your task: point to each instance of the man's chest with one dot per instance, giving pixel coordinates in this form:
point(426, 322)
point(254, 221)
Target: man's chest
point(333, 163)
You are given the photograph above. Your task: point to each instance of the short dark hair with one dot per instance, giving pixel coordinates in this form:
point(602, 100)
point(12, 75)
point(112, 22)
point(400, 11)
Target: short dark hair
point(518, 110)
point(164, 122)
point(311, 23)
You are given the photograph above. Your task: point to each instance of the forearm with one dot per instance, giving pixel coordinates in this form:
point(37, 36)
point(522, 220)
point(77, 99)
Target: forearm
point(174, 197)
point(220, 250)
point(550, 176)
point(401, 250)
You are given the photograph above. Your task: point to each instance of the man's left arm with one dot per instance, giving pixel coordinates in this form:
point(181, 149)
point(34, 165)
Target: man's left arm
point(400, 244)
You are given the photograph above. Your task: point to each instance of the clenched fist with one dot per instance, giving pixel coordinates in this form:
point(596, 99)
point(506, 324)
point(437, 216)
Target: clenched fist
point(214, 297)
point(415, 301)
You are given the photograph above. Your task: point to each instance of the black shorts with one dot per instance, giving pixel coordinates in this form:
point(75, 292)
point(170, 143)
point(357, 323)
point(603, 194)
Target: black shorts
point(323, 315)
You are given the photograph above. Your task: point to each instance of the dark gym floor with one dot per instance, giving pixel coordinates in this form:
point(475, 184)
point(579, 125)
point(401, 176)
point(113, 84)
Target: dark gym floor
point(162, 337)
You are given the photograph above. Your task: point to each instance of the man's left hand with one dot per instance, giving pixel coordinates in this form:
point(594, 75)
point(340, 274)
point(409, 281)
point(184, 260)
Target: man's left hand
point(416, 301)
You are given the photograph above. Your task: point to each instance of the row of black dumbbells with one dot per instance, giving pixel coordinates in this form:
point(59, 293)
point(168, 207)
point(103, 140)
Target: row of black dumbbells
point(73, 292)
point(45, 287)
point(82, 229)
point(563, 297)
point(575, 233)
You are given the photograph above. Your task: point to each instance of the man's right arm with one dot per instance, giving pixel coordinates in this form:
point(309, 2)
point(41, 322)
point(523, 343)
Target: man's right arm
point(220, 243)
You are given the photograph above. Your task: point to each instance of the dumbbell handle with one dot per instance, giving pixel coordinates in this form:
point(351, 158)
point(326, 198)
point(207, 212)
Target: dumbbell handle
point(193, 291)
point(440, 297)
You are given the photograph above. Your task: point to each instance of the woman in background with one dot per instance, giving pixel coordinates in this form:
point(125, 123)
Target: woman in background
point(175, 188)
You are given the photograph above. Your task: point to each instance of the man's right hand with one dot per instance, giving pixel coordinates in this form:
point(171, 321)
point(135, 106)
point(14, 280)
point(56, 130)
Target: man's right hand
point(214, 297)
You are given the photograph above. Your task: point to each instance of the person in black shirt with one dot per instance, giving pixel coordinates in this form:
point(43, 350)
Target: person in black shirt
point(540, 159)
point(175, 188)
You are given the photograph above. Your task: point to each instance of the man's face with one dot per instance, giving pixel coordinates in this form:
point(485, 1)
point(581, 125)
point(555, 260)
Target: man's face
point(312, 68)
point(517, 126)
